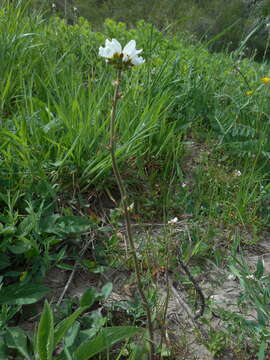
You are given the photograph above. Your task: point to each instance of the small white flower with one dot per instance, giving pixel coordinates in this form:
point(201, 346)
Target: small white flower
point(250, 277)
point(114, 49)
point(215, 298)
point(53, 6)
point(231, 277)
point(75, 9)
point(130, 207)
point(184, 185)
point(237, 173)
point(173, 221)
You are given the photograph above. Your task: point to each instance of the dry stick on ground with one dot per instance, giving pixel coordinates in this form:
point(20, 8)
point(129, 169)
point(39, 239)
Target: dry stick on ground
point(191, 318)
point(124, 198)
point(181, 301)
point(72, 273)
point(196, 285)
point(166, 304)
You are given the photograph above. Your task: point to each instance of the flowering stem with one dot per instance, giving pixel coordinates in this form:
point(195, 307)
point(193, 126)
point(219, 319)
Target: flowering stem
point(124, 201)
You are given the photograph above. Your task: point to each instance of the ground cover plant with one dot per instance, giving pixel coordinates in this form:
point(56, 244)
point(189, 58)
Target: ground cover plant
point(193, 154)
point(223, 25)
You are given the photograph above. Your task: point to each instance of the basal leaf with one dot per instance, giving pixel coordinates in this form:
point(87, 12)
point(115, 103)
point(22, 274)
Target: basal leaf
point(45, 334)
point(106, 338)
point(88, 297)
point(65, 324)
point(17, 339)
point(22, 294)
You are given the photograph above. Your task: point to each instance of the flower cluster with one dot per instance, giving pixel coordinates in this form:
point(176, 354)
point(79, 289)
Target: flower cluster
point(121, 58)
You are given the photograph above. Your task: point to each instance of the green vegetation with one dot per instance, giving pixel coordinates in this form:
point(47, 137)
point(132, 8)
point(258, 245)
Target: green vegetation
point(223, 24)
point(192, 142)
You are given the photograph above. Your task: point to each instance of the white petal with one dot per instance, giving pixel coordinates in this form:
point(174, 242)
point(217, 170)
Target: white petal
point(137, 60)
point(130, 49)
point(111, 48)
point(101, 51)
point(117, 46)
point(125, 58)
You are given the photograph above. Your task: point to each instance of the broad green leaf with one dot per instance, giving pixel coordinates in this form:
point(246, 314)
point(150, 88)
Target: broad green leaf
point(72, 334)
point(8, 230)
point(17, 339)
point(65, 324)
point(73, 224)
point(88, 297)
point(261, 353)
point(106, 338)
point(65, 225)
point(106, 290)
point(97, 323)
point(45, 334)
point(22, 294)
point(20, 247)
point(48, 223)
point(67, 354)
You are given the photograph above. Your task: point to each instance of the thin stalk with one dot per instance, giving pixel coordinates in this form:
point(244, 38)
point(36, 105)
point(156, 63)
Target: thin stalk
point(124, 201)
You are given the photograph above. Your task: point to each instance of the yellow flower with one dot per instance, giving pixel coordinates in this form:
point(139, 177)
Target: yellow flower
point(249, 92)
point(265, 80)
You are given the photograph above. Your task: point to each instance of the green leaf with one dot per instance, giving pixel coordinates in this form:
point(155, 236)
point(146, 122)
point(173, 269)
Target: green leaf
point(261, 353)
point(4, 261)
point(65, 324)
point(45, 334)
point(3, 349)
point(259, 269)
point(20, 247)
point(8, 230)
point(72, 334)
point(65, 224)
point(88, 297)
point(261, 318)
point(106, 338)
point(22, 294)
point(48, 223)
point(106, 290)
point(65, 266)
point(17, 339)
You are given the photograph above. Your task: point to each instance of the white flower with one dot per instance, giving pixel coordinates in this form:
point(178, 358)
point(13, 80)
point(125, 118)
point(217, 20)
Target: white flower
point(237, 173)
point(173, 221)
point(216, 298)
point(114, 49)
point(53, 6)
point(130, 208)
point(184, 185)
point(111, 49)
point(231, 277)
point(130, 53)
point(250, 277)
